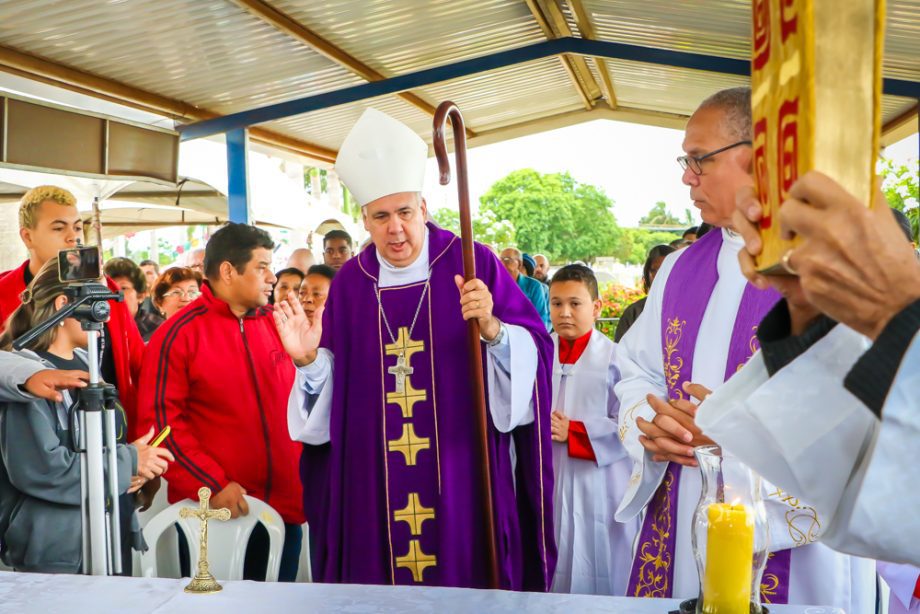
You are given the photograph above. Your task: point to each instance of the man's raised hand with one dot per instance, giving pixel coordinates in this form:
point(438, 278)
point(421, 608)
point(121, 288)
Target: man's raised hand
point(299, 337)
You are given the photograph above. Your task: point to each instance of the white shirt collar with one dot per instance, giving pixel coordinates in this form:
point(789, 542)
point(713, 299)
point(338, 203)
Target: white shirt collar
point(400, 276)
point(732, 237)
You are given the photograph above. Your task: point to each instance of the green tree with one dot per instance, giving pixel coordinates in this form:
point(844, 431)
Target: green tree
point(554, 215)
point(902, 191)
point(636, 243)
point(486, 227)
point(660, 216)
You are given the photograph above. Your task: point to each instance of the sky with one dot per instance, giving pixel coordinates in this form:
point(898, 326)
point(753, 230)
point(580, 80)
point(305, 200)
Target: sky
point(634, 164)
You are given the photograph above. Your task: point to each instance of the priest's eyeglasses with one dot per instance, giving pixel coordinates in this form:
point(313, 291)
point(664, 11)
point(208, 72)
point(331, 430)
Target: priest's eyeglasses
point(695, 163)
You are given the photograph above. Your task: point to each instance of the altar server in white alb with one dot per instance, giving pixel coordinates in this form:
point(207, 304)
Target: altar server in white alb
point(591, 466)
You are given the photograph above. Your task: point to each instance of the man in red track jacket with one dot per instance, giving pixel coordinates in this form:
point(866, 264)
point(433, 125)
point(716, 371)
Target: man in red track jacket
point(217, 374)
point(49, 222)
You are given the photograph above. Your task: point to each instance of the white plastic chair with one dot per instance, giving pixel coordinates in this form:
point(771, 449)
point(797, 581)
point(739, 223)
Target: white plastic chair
point(305, 569)
point(227, 541)
point(167, 547)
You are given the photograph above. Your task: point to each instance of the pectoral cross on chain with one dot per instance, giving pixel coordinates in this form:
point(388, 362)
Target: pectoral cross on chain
point(401, 370)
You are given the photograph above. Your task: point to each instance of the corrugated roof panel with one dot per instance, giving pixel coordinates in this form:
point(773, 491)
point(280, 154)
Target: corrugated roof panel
point(400, 36)
point(714, 27)
point(902, 40)
point(330, 126)
point(662, 88)
point(211, 54)
point(722, 28)
point(895, 106)
point(510, 95)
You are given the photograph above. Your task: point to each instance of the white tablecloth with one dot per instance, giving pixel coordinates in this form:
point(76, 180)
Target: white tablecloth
point(49, 594)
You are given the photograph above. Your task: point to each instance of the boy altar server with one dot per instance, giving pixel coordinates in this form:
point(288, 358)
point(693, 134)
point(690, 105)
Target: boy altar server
point(592, 467)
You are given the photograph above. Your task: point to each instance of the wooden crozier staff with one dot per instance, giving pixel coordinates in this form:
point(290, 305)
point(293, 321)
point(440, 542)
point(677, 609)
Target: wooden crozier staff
point(449, 109)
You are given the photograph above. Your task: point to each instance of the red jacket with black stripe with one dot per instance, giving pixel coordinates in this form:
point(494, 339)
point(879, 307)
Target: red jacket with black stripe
point(222, 384)
point(127, 343)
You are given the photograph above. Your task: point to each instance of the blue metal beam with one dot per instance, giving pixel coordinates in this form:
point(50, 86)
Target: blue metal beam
point(422, 78)
point(238, 176)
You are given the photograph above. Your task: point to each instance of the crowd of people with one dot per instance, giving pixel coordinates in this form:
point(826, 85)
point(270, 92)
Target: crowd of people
point(340, 393)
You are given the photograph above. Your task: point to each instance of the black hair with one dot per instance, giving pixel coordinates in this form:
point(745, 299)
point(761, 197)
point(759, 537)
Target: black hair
point(659, 251)
point(679, 243)
point(290, 271)
point(579, 273)
point(690, 231)
point(703, 229)
point(156, 267)
point(234, 243)
point(337, 234)
point(321, 269)
point(125, 267)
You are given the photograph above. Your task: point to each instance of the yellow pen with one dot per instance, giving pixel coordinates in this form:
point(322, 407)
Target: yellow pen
point(160, 437)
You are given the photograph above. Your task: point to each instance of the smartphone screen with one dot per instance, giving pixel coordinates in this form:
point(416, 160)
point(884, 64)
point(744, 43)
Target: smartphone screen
point(79, 264)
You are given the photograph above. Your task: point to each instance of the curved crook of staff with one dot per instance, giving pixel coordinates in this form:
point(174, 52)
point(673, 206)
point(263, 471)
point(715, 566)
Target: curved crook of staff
point(449, 109)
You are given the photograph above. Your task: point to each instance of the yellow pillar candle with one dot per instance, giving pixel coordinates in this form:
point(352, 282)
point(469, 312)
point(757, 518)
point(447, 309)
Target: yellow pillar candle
point(729, 559)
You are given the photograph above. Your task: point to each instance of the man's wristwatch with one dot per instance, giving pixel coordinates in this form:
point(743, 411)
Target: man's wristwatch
point(498, 337)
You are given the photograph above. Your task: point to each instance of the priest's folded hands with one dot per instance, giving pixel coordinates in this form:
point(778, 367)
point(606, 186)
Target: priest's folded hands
point(672, 434)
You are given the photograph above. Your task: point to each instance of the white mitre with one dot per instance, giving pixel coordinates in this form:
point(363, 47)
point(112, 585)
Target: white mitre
point(381, 156)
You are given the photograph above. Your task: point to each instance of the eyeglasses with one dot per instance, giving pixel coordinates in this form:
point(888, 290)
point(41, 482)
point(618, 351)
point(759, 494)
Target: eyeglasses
point(190, 294)
point(694, 163)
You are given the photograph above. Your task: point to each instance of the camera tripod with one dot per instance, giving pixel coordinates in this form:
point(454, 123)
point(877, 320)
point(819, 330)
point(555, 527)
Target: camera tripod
point(93, 413)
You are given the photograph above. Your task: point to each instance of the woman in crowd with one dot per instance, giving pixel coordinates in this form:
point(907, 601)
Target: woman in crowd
point(173, 290)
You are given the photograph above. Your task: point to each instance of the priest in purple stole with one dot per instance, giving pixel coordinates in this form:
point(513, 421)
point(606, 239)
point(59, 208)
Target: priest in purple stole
point(384, 386)
point(699, 325)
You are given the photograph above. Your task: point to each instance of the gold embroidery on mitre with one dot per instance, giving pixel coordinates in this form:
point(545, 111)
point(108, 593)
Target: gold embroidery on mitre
point(673, 365)
point(416, 560)
point(414, 514)
point(409, 444)
point(653, 555)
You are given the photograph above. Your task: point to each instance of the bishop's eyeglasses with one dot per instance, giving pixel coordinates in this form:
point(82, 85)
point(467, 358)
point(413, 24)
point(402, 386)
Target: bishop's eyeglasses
point(695, 163)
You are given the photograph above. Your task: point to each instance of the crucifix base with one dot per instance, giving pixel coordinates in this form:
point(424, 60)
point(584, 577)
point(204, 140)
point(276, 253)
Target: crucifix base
point(203, 583)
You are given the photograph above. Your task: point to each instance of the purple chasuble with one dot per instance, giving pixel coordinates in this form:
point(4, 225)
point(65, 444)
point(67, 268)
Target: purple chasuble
point(686, 296)
point(401, 477)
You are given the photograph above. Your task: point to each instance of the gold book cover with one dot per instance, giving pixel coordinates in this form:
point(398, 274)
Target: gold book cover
point(816, 81)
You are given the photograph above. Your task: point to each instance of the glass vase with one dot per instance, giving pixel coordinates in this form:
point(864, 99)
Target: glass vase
point(730, 535)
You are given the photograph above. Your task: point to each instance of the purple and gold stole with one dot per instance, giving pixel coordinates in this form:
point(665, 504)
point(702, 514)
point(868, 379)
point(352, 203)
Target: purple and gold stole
point(686, 296)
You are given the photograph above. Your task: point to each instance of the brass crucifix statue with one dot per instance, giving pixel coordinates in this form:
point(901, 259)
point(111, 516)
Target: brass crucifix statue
point(203, 582)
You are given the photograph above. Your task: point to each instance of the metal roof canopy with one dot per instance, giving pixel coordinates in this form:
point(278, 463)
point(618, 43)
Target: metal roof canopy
point(644, 61)
point(555, 47)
